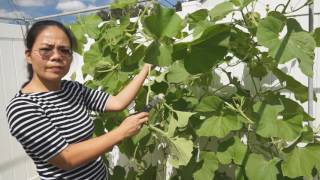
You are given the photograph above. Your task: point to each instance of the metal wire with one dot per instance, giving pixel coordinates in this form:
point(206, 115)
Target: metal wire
point(169, 3)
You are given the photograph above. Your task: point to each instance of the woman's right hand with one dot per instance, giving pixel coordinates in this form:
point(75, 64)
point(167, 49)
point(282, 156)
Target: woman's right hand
point(132, 124)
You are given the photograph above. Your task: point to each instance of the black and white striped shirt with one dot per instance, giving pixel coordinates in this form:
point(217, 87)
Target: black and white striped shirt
point(45, 123)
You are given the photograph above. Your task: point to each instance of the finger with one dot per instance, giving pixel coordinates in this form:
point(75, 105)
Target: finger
point(141, 115)
point(143, 120)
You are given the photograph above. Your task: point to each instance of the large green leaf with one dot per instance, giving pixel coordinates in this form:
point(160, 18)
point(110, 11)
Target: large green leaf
point(159, 54)
point(196, 17)
point(173, 124)
point(177, 73)
point(292, 108)
point(85, 25)
point(272, 124)
point(180, 150)
point(220, 125)
point(164, 22)
point(143, 133)
point(295, 44)
point(203, 58)
point(209, 166)
point(77, 31)
point(221, 10)
point(300, 161)
point(209, 104)
point(93, 58)
point(183, 118)
point(300, 91)
point(259, 168)
point(231, 151)
point(208, 49)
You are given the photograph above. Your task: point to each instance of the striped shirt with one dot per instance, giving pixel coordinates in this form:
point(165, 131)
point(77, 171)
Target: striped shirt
point(45, 123)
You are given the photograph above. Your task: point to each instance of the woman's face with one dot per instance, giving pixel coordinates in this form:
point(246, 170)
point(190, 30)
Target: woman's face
point(50, 55)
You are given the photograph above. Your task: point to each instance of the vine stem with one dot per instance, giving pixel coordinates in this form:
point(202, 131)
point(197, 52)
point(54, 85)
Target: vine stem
point(255, 86)
point(239, 111)
point(221, 88)
point(169, 107)
point(285, 7)
point(135, 151)
point(149, 88)
point(111, 69)
point(157, 130)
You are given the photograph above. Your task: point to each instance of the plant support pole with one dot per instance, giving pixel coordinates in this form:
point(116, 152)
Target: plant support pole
point(310, 79)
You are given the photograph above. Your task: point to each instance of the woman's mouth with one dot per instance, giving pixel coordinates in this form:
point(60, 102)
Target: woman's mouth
point(56, 68)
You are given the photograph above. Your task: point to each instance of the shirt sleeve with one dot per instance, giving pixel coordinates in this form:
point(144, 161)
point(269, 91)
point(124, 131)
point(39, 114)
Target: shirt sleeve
point(94, 99)
point(29, 124)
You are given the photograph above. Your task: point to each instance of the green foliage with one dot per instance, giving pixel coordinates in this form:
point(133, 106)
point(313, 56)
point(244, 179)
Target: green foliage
point(291, 45)
point(241, 128)
point(316, 36)
point(259, 168)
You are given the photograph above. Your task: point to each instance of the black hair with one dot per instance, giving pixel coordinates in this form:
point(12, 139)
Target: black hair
point(33, 33)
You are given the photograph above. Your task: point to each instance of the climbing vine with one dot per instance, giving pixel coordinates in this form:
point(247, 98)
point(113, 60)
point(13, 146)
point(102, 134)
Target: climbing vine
point(212, 123)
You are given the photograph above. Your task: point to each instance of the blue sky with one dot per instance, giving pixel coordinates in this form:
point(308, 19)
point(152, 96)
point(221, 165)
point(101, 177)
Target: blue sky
point(37, 8)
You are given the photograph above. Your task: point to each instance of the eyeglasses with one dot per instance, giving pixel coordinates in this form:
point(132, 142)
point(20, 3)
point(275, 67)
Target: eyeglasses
point(46, 53)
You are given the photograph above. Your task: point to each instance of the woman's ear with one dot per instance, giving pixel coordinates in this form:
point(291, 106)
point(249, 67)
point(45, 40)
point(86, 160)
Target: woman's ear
point(27, 54)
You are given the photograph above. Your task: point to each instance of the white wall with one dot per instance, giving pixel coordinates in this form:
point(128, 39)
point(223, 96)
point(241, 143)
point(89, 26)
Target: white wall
point(14, 163)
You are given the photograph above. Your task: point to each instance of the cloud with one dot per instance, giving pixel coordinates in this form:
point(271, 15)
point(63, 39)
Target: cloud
point(32, 2)
point(70, 5)
point(13, 14)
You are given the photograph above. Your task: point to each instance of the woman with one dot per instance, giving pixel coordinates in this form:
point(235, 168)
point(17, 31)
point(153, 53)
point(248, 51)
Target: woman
point(50, 116)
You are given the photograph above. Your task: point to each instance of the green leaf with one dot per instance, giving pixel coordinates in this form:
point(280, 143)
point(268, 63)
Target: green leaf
point(209, 104)
point(143, 133)
point(120, 4)
point(183, 118)
point(132, 62)
point(113, 35)
point(119, 173)
point(300, 161)
point(292, 108)
point(295, 44)
point(209, 166)
point(91, 58)
point(79, 35)
point(241, 3)
point(206, 58)
point(149, 173)
point(198, 15)
point(231, 150)
point(85, 25)
point(259, 168)
point(272, 124)
point(220, 125)
point(316, 36)
point(221, 10)
point(159, 54)
point(208, 49)
point(300, 91)
point(177, 73)
point(90, 25)
point(163, 22)
point(180, 150)
point(172, 126)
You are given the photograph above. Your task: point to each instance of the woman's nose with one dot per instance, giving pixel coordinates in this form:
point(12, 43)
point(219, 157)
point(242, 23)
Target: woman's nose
point(55, 55)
